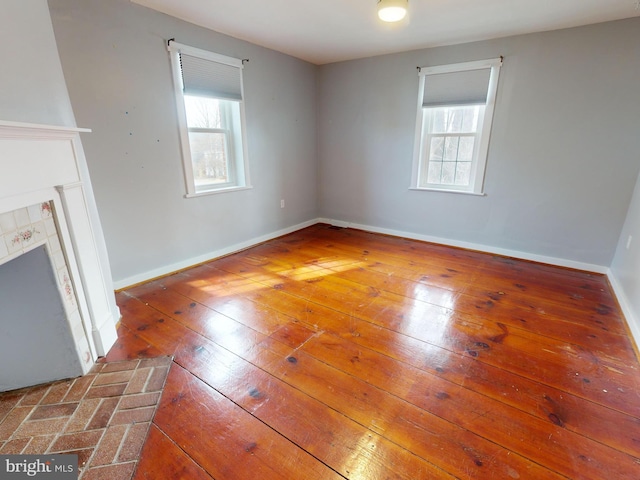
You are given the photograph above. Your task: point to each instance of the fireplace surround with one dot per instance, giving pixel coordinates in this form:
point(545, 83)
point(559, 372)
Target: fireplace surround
point(46, 200)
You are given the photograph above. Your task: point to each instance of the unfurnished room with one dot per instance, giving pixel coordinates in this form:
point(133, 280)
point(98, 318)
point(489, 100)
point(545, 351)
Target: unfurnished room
point(364, 239)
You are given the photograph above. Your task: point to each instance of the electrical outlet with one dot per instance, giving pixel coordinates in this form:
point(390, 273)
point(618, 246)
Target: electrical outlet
point(282, 203)
point(629, 241)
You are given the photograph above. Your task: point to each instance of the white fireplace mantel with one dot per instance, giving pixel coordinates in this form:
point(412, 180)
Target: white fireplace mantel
point(45, 163)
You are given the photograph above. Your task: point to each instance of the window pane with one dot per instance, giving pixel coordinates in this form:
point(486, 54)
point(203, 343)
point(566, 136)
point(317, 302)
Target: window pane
point(202, 112)
point(451, 148)
point(435, 169)
point(209, 154)
point(439, 116)
point(437, 148)
point(454, 120)
point(448, 173)
point(453, 125)
point(470, 121)
point(465, 149)
point(463, 173)
point(450, 145)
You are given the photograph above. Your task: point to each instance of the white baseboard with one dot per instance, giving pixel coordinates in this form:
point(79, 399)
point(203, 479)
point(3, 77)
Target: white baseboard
point(174, 267)
point(630, 316)
point(158, 272)
point(105, 335)
point(561, 262)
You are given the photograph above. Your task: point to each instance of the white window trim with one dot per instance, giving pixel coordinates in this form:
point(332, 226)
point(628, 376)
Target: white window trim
point(217, 191)
point(480, 161)
point(175, 49)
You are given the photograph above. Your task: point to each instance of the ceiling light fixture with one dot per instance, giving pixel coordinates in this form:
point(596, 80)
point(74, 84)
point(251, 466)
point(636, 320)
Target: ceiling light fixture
point(392, 10)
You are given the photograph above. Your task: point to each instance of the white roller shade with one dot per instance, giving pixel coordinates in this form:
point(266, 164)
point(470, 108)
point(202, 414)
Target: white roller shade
point(209, 74)
point(456, 88)
point(212, 79)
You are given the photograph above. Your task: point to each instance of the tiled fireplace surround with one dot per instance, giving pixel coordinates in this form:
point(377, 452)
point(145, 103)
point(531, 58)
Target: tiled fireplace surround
point(46, 199)
point(22, 230)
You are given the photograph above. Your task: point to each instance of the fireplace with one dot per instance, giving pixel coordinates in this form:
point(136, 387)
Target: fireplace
point(42, 348)
point(58, 290)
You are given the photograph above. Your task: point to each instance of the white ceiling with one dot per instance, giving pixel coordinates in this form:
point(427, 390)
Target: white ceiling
point(325, 31)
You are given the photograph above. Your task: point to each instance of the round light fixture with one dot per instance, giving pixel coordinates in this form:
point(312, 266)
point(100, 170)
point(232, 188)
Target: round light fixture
point(392, 10)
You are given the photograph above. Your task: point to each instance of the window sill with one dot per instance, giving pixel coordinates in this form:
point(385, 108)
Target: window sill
point(444, 190)
point(217, 191)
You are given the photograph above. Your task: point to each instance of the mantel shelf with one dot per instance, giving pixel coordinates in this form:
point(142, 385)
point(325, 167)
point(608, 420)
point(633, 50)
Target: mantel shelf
point(21, 129)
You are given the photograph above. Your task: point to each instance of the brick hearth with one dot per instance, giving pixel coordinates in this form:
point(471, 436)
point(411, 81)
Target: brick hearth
point(103, 417)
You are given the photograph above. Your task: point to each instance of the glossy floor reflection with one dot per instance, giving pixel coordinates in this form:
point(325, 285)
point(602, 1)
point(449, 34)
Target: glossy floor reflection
point(335, 353)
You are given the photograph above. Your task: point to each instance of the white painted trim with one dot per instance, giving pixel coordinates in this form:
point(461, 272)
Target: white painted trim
point(219, 190)
point(181, 115)
point(630, 316)
point(244, 180)
point(168, 269)
point(444, 190)
point(31, 130)
point(460, 67)
point(174, 46)
point(418, 135)
point(479, 167)
point(483, 132)
point(104, 334)
point(174, 267)
point(560, 262)
point(36, 158)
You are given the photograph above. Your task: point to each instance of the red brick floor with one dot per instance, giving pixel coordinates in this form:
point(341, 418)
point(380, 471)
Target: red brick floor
point(103, 417)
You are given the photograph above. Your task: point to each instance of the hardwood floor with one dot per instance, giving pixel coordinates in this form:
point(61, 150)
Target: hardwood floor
point(335, 353)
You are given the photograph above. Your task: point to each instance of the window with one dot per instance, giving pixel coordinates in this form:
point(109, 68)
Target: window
point(210, 111)
point(455, 111)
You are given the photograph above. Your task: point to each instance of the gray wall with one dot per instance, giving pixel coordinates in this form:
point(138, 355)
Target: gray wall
point(625, 268)
point(563, 155)
point(118, 73)
point(32, 87)
point(562, 161)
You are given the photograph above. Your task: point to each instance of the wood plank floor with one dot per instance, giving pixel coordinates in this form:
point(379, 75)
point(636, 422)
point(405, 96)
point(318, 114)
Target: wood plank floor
point(335, 353)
